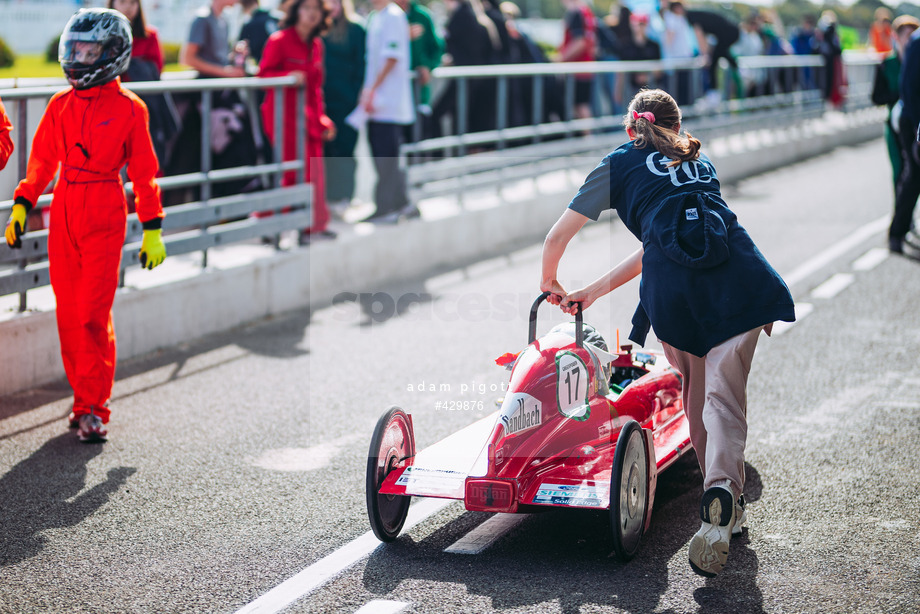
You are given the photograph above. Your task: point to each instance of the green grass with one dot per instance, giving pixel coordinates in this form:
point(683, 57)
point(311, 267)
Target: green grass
point(35, 66)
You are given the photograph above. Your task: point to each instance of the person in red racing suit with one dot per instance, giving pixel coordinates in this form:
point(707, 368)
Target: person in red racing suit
point(90, 133)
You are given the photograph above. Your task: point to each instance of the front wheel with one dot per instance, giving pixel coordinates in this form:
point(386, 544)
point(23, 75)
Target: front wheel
point(393, 441)
point(629, 491)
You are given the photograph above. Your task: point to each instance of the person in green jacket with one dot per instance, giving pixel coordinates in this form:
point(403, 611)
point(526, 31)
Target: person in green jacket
point(426, 48)
point(344, 63)
point(885, 88)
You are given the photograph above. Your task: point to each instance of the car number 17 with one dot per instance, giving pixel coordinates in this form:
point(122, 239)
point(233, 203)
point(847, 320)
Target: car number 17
point(572, 386)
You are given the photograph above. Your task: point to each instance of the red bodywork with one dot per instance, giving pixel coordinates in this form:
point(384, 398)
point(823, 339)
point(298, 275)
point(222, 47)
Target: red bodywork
point(552, 442)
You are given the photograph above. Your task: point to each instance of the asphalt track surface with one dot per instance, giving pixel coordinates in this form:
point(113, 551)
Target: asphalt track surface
point(237, 461)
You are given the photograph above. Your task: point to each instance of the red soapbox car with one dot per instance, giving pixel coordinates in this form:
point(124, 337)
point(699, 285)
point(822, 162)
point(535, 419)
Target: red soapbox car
point(578, 427)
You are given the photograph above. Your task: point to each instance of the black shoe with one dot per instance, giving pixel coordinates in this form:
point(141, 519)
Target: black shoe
point(740, 516)
point(410, 212)
point(896, 245)
point(386, 218)
point(306, 238)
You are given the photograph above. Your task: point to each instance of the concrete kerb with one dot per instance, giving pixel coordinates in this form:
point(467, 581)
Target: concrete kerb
point(219, 299)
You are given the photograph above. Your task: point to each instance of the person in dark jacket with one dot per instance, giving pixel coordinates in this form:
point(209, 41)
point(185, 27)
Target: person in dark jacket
point(523, 50)
point(579, 44)
point(426, 48)
point(885, 88)
point(835, 82)
point(723, 32)
point(706, 290)
point(259, 25)
point(345, 61)
point(471, 40)
point(146, 65)
point(908, 189)
point(638, 48)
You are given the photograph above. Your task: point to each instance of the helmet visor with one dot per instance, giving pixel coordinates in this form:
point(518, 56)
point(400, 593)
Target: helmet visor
point(86, 53)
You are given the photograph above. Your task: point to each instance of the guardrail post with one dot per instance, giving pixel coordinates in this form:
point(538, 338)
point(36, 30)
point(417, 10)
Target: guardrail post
point(22, 116)
point(461, 113)
point(302, 154)
point(417, 126)
point(700, 81)
point(569, 99)
point(205, 159)
point(301, 134)
point(537, 118)
point(501, 99)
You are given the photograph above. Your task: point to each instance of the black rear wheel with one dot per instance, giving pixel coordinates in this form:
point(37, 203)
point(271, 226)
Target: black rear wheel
point(393, 441)
point(629, 491)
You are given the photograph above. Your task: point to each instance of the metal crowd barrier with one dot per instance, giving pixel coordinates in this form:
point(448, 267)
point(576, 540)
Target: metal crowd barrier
point(444, 165)
point(436, 166)
point(189, 227)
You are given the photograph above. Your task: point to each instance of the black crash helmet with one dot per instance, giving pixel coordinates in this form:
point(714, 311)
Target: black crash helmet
point(95, 47)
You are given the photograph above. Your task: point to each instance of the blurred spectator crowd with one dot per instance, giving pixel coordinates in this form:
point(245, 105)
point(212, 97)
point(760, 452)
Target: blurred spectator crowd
point(372, 72)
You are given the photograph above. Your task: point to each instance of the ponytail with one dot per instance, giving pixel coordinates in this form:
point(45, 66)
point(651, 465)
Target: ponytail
point(654, 117)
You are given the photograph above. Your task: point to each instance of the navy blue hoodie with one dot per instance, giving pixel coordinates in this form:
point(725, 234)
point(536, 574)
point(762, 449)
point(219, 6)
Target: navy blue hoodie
point(703, 279)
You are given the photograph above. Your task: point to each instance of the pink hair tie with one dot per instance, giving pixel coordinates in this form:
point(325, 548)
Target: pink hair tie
point(645, 115)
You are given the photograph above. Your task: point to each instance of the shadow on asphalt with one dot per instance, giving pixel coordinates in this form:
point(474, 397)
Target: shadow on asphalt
point(378, 307)
point(44, 492)
point(566, 557)
point(278, 337)
point(396, 299)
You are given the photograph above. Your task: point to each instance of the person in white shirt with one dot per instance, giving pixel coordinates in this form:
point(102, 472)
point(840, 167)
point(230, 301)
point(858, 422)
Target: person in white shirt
point(678, 42)
point(387, 99)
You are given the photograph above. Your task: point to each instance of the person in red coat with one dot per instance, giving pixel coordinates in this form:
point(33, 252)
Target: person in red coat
point(87, 134)
point(146, 45)
point(297, 49)
point(6, 142)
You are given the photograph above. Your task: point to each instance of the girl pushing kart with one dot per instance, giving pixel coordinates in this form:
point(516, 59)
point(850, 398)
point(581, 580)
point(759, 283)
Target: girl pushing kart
point(89, 132)
point(706, 290)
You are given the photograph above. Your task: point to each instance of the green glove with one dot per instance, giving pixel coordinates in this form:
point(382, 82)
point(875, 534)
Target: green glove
point(153, 252)
point(16, 227)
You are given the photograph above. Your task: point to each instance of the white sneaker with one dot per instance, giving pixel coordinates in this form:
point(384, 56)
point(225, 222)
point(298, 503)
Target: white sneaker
point(709, 547)
point(90, 429)
point(339, 208)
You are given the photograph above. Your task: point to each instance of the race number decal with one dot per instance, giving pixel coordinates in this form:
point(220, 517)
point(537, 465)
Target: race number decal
point(572, 386)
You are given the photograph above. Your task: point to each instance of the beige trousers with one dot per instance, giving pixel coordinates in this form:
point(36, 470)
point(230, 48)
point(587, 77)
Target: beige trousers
point(715, 402)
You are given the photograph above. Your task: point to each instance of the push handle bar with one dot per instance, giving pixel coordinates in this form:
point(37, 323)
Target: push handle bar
point(579, 322)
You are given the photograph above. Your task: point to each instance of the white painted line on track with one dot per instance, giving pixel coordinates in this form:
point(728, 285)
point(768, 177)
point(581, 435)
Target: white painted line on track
point(801, 310)
point(841, 247)
point(333, 564)
point(870, 259)
point(382, 606)
point(485, 534)
point(834, 285)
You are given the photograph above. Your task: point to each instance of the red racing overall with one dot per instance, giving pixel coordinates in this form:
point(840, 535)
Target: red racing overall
point(91, 134)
